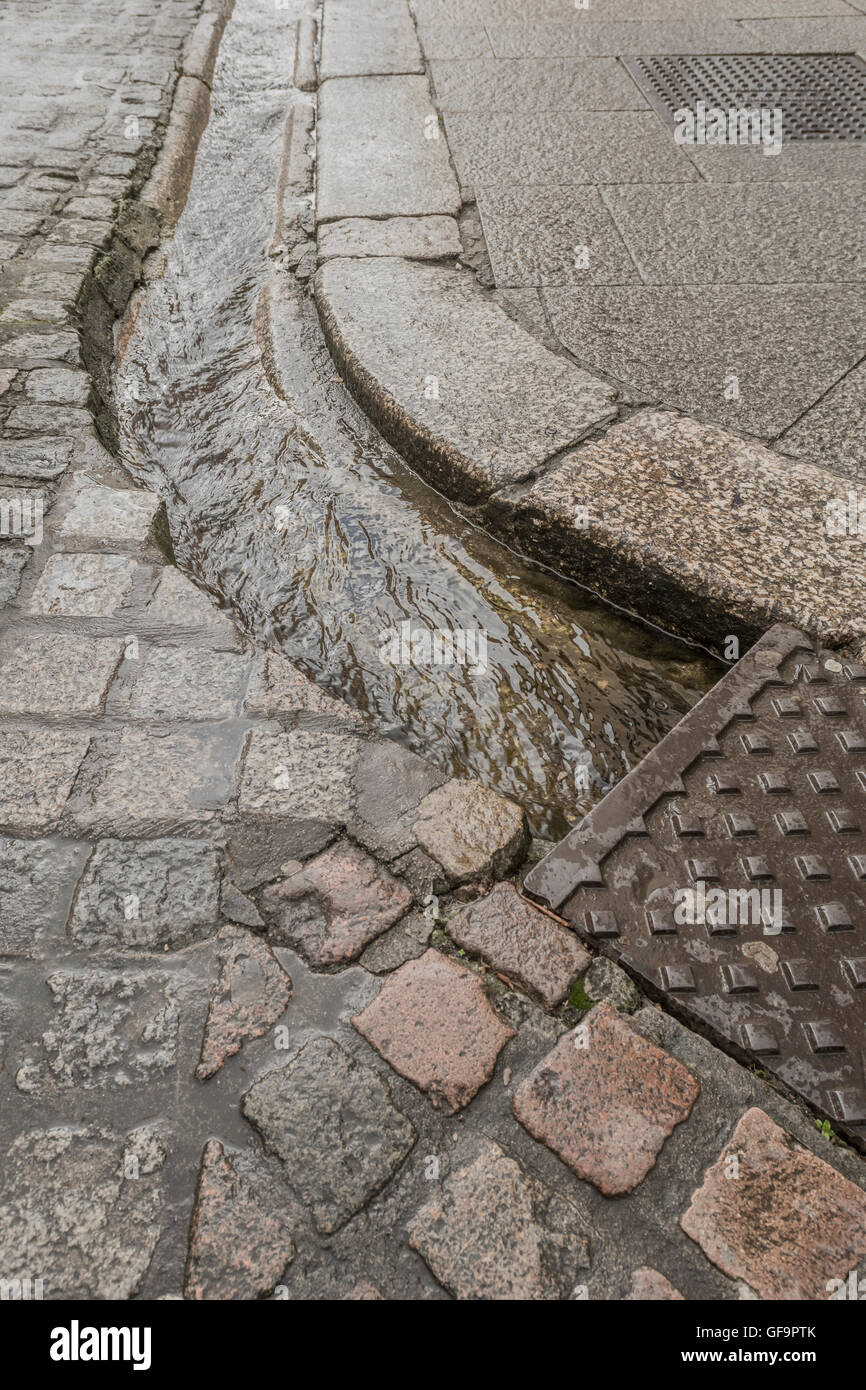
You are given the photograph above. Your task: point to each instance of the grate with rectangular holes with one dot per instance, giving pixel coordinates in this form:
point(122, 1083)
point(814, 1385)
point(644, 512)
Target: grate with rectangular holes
point(822, 96)
point(728, 871)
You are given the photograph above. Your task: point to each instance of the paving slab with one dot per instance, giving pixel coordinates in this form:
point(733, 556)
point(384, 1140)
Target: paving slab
point(71, 1209)
point(57, 673)
point(496, 1232)
point(332, 1122)
point(741, 234)
point(83, 586)
point(553, 236)
point(37, 880)
point(468, 396)
point(330, 908)
point(419, 238)
point(565, 147)
point(776, 1216)
point(35, 458)
point(525, 945)
point(807, 160)
point(148, 895)
point(752, 357)
point(605, 1100)
point(37, 770)
point(433, 1022)
point(834, 34)
point(727, 872)
point(533, 84)
point(380, 151)
point(12, 564)
point(178, 603)
point(303, 774)
point(238, 1245)
point(110, 513)
point(189, 683)
point(581, 37)
point(833, 431)
point(251, 993)
point(276, 687)
point(373, 36)
point(701, 525)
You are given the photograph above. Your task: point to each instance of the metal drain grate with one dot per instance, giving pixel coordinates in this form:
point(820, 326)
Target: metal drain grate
point(761, 790)
point(822, 96)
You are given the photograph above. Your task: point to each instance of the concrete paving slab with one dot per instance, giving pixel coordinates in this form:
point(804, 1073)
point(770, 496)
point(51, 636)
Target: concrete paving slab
point(466, 394)
point(368, 36)
point(582, 38)
point(380, 151)
point(833, 432)
point(780, 348)
point(534, 84)
point(552, 236)
point(798, 160)
point(83, 586)
point(566, 147)
point(445, 40)
point(741, 234)
point(57, 673)
point(836, 34)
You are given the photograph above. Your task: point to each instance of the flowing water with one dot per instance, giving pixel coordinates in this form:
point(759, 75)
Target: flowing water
point(315, 534)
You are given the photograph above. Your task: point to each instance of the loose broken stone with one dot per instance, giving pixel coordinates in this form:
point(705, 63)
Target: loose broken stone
point(435, 1025)
point(471, 831)
point(525, 944)
point(251, 993)
point(498, 1233)
point(237, 907)
point(648, 1285)
point(772, 1213)
point(146, 894)
point(391, 781)
point(79, 1211)
point(406, 941)
point(605, 1100)
point(238, 1248)
point(331, 907)
point(333, 1124)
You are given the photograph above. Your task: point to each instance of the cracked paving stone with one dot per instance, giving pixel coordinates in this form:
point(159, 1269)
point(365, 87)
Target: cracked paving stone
point(471, 831)
point(406, 941)
point(37, 770)
point(189, 683)
point(776, 1216)
point(238, 1246)
point(80, 1208)
point(605, 1100)
point(648, 1285)
point(515, 938)
point(37, 880)
point(304, 774)
point(332, 1122)
point(83, 586)
point(334, 905)
point(251, 993)
point(62, 673)
point(146, 895)
point(497, 1233)
point(391, 782)
point(432, 1021)
point(111, 1028)
point(111, 513)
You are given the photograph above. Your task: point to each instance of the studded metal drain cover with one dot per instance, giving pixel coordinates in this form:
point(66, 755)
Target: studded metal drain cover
point(822, 96)
point(728, 871)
